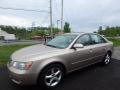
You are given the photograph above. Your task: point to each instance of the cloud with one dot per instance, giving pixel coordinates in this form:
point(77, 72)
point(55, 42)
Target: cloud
point(12, 20)
point(92, 14)
point(83, 15)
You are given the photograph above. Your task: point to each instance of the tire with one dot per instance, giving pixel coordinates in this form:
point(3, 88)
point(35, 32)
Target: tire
point(107, 59)
point(51, 76)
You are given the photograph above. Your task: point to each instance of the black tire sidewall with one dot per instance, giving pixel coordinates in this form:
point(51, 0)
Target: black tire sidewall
point(41, 79)
point(105, 59)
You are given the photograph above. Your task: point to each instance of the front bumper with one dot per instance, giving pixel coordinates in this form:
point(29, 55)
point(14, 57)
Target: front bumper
point(22, 77)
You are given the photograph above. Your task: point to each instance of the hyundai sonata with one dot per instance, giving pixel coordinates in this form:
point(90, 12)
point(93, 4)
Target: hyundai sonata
point(47, 64)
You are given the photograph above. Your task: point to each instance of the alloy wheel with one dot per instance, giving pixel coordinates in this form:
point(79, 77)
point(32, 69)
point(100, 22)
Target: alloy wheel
point(53, 77)
point(107, 59)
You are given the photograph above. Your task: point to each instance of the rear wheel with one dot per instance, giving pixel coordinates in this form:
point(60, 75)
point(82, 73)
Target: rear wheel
point(107, 59)
point(51, 76)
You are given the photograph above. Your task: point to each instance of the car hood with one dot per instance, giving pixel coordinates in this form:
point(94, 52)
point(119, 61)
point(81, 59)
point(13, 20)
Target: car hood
point(35, 52)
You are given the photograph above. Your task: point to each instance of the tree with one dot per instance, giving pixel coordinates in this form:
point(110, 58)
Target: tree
point(100, 30)
point(56, 30)
point(67, 28)
point(38, 32)
point(110, 31)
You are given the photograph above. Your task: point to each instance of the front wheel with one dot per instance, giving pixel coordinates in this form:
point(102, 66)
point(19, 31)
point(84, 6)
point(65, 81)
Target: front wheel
point(107, 59)
point(51, 76)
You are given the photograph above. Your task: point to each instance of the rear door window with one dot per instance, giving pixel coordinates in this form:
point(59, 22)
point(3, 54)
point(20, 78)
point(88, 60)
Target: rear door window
point(96, 39)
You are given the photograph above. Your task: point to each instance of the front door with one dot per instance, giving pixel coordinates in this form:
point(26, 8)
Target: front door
point(82, 56)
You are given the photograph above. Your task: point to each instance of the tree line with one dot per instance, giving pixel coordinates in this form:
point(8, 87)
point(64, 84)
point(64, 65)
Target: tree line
point(109, 31)
point(27, 33)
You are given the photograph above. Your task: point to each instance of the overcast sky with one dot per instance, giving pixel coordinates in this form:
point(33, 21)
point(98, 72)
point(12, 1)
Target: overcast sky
point(83, 15)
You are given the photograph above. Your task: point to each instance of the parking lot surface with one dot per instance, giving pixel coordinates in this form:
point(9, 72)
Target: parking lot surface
point(95, 77)
point(116, 53)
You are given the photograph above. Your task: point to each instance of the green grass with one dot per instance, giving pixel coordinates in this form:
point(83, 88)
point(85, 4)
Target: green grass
point(116, 41)
point(7, 50)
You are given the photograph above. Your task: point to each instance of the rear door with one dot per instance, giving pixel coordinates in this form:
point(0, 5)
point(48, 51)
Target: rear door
point(98, 47)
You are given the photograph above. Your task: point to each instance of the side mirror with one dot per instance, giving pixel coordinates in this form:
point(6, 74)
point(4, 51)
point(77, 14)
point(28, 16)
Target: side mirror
point(78, 46)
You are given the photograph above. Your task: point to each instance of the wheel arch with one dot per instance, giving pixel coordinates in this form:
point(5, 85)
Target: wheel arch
point(110, 52)
point(55, 62)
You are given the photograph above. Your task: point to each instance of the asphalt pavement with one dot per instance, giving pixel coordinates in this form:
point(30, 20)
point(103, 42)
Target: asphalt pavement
point(116, 53)
point(95, 77)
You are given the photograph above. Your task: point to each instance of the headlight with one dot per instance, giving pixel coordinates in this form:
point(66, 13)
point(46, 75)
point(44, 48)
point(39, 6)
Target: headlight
point(21, 65)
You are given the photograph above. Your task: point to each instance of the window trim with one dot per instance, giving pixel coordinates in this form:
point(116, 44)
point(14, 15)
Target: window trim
point(81, 36)
point(99, 36)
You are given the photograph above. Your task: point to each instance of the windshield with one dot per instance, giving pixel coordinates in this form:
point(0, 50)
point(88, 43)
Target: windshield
point(62, 41)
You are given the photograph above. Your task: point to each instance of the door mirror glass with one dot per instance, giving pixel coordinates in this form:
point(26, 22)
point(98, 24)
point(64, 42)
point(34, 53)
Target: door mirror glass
point(78, 46)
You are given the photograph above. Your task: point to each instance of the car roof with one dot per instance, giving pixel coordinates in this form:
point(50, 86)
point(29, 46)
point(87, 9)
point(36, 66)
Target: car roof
point(74, 33)
point(78, 33)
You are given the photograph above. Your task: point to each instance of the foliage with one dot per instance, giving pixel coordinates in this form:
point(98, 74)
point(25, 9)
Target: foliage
point(27, 33)
point(109, 31)
point(67, 28)
point(19, 32)
point(116, 41)
point(38, 32)
point(56, 30)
